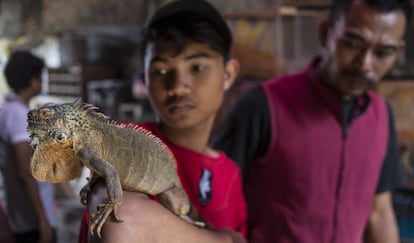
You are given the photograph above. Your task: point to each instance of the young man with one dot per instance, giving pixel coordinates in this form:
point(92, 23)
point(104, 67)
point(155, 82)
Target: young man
point(29, 203)
point(188, 68)
point(318, 148)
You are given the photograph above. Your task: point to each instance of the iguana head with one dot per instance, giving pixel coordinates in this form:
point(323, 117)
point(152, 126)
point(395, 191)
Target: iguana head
point(57, 122)
point(53, 129)
point(49, 124)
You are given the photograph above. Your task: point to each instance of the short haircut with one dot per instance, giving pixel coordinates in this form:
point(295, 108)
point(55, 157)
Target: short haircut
point(340, 7)
point(182, 21)
point(21, 67)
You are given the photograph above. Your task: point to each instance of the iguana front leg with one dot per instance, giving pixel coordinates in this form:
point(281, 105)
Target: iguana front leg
point(113, 185)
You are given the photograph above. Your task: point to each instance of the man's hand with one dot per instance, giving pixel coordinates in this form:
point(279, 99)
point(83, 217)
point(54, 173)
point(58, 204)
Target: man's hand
point(236, 237)
point(146, 220)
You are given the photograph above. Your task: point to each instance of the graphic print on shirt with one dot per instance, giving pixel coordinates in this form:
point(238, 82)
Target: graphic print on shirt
point(204, 187)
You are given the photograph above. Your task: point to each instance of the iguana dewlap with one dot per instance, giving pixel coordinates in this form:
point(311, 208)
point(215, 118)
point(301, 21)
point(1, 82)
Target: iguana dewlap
point(65, 136)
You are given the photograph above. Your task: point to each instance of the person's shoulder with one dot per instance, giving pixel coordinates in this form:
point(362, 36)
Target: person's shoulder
point(256, 94)
point(252, 97)
point(14, 113)
point(376, 96)
point(226, 161)
point(379, 102)
point(14, 107)
point(13, 119)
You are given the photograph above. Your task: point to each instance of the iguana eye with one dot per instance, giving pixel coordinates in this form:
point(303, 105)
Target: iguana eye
point(61, 137)
point(44, 113)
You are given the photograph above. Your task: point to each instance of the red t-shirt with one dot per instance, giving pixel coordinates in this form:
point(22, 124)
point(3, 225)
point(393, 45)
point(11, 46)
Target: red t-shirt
point(213, 185)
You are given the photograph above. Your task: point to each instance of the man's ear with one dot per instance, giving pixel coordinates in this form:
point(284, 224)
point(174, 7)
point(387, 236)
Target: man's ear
point(231, 70)
point(323, 30)
point(36, 81)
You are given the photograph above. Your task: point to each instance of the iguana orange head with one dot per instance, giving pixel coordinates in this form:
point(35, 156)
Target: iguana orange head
point(53, 129)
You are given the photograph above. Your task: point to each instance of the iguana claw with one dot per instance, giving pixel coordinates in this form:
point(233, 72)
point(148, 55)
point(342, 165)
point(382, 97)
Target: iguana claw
point(84, 193)
point(99, 218)
point(192, 221)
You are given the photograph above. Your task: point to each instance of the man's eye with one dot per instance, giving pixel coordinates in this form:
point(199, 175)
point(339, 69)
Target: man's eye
point(159, 72)
point(384, 53)
point(351, 43)
point(198, 68)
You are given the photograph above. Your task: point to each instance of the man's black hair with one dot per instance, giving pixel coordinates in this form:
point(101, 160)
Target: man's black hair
point(178, 22)
point(340, 7)
point(178, 30)
point(21, 67)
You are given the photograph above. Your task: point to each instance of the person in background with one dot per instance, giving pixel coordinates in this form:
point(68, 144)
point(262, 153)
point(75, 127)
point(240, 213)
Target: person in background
point(188, 68)
point(29, 203)
point(318, 148)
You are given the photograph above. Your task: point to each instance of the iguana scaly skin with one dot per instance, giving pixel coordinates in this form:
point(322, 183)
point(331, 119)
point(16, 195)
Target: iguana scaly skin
point(65, 136)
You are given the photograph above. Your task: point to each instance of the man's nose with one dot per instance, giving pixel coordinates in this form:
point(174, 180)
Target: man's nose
point(181, 84)
point(364, 62)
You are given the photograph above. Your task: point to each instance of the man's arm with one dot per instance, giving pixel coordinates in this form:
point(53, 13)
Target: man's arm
point(23, 153)
point(382, 225)
point(145, 220)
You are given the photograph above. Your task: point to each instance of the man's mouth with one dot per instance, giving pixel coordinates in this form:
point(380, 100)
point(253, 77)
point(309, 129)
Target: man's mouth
point(357, 78)
point(357, 81)
point(179, 107)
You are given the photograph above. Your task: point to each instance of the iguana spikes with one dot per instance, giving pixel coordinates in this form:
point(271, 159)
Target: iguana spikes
point(150, 135)
point(89, 108)
point(94, 111)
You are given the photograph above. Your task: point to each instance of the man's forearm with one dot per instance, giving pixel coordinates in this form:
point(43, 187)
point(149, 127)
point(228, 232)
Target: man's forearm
point(145, 220)
point(382, 225)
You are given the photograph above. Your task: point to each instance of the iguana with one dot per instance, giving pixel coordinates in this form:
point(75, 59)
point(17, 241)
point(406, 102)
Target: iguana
point(65, 136)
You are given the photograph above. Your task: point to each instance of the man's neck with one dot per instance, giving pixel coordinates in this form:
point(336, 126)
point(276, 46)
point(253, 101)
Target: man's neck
point(25, 96)
point(195, 138)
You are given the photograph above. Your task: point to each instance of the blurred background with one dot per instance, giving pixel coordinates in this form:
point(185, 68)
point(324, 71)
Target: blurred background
point(91, 48)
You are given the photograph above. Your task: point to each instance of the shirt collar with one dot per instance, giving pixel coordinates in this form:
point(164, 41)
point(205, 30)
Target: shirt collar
point(10, 97)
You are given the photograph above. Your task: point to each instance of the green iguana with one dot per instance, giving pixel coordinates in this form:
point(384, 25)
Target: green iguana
point(65, 136)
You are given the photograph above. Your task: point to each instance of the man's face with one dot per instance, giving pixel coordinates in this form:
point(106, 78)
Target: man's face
point(186, 89)
point(361, 48)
